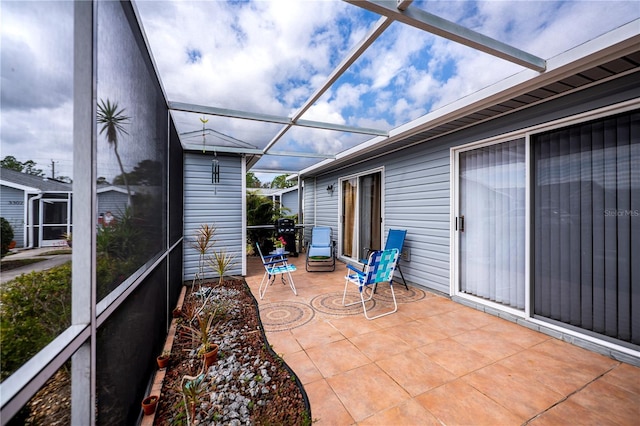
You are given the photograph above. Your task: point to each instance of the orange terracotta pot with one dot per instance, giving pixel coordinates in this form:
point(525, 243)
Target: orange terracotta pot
point(149, 404)
point(163, 361)
point(211, 356)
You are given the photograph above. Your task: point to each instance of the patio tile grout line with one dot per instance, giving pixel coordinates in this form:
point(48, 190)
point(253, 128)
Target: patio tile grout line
point(571, 394)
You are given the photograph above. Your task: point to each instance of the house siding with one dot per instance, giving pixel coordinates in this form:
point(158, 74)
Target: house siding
point(113, 201)
point(290, 201)
point(13, 208)
point(325, 211)
point(220, 206)
point(417, 179)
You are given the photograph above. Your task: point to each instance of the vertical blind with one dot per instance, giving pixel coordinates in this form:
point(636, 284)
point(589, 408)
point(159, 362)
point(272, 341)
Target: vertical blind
point(587, 226)
point(492, 201)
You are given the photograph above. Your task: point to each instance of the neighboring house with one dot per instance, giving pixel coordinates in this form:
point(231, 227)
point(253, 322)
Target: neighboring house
point(289, 200)
point(522, 200)
point(112, 199)
point(38, 208)
point(285, 197)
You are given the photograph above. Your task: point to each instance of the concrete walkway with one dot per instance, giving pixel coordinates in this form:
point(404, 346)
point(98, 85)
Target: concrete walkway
point(49, 261)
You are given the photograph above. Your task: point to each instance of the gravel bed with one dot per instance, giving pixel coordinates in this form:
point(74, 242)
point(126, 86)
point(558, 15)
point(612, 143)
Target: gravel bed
point(247, 385)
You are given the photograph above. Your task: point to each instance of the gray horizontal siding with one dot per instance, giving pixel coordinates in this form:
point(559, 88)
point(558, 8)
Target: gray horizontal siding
point(417, 181)
point(220, 206)
point(12, 209)
point(326, 204)
point(416, 185)
point(417, 199)
point(290, 201)
point(113, 201)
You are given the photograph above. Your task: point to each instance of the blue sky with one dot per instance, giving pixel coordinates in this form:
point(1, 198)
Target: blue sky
point(270, 56)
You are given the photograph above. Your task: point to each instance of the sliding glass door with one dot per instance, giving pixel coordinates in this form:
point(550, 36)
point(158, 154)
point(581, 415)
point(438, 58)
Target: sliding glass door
point(587, 225)
point(361, 214)
point(490, 223)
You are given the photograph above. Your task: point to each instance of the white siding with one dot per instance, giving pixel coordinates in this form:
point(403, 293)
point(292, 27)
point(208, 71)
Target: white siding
point(220, 206)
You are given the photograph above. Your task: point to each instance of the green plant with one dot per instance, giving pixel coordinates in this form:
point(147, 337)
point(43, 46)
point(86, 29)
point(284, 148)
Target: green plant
point(113, 122)
point(121, 249)
point(260, 211)
point(192, 390)
point(6, 235)
point(202, 242)
point(279, 242)
point(122, 238)
point(35, 308)
point(201, 333)
point(68, 237)
point(221, 262)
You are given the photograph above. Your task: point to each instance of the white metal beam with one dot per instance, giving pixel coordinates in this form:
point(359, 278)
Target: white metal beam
point(379, 27)
point(425, 21)
point(268, 118)
point(255, 151)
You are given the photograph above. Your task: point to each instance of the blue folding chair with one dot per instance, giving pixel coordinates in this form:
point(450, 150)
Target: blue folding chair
point(395, 239)
point(274, 265)
point(321, 250)
point(379, 269)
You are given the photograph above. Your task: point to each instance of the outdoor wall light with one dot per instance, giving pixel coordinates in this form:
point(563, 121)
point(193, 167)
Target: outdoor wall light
point(330, 189)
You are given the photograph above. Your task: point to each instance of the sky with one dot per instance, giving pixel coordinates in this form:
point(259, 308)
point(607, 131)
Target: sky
point(269, 57)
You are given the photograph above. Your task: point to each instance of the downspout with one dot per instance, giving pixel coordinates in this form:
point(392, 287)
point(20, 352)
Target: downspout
point(300, 233)
point(315, 200)
point(243, 213)
point(30, 215)
point(300, 218)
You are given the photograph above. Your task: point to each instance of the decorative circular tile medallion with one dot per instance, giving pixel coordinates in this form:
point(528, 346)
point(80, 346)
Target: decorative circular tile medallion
point(331, 303)
point(283, 316)
point(402, 294)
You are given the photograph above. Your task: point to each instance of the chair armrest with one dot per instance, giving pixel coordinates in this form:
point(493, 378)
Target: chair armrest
point(273, 262)
point(271, 256)
point(357, 271)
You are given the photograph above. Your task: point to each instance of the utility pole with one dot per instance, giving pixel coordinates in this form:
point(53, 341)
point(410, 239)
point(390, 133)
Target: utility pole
point(53, 169)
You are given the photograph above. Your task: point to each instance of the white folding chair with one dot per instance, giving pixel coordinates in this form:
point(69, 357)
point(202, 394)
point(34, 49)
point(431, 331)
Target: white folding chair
point(274, 265)
point(379, 269)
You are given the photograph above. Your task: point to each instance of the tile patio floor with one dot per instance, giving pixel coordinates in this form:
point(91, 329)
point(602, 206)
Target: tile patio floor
point(434, 361)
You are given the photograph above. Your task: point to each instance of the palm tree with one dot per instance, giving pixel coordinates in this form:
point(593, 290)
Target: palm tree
point(113, 122)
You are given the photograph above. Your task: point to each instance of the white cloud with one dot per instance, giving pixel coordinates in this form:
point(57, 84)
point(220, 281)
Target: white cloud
point(270, 56)
point(36, 87)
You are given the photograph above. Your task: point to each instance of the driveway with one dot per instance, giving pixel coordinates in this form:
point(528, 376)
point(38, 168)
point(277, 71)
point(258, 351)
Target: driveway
point(49, 262)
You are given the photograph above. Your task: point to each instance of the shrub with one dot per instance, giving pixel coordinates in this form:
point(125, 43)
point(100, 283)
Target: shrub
point(6, 236)
point(34, 309)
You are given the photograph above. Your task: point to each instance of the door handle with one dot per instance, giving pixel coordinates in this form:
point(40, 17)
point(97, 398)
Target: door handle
point(460, 223)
